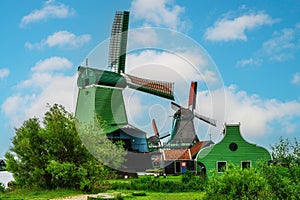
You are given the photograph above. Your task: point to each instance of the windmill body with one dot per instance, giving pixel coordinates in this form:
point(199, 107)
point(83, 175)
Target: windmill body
point(101, 93)
point(183, 134)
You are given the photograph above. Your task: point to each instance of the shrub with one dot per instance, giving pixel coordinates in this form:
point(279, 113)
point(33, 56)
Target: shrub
point(2, 188)
point(189, 182)
point(283, 181)
point(283, 174)
point(236, 183)
point(192, 182)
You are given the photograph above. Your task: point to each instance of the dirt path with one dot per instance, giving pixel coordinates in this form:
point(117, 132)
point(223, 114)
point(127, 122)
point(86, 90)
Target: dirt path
point(84, 197)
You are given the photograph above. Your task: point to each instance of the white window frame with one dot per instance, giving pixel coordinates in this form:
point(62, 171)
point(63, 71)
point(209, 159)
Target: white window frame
point(250, 166)
point(217, 166)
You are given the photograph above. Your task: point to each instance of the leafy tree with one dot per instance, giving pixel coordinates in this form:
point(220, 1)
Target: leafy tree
point(109, 153)
point(287, 152)
point(283, 175)
point(51, 154)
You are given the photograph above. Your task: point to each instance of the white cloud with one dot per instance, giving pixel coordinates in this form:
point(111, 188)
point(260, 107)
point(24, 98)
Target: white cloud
point(143, 37)
point(4, 72)
point(166, 66)
point(61, 39)
point(250, 61)
point(256, 115)
point(158, 13)
point(46, 85)
point(296, 79)
point(50, 9)
point(52, 64)
point(282, 46)
point(227, 29)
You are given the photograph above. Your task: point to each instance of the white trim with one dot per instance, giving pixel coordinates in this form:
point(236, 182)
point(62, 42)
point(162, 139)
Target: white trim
point(190, 154)
point(246, 161)
point(217, 167)
point(104, 86)
point(232, 124)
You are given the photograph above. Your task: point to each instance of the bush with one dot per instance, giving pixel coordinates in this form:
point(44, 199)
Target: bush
point(2, 188)
point(189, 182)
point(192, 182)
point(236, 183)
point(283, 181)
point(283, 174)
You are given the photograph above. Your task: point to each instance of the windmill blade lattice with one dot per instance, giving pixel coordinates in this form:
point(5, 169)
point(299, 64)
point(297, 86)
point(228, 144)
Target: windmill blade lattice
point(159, 88)
point(206, 119)
point(118, 42)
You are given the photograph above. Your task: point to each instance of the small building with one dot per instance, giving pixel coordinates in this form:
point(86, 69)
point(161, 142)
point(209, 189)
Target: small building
point(5, 178)
point(177, 161)
point(232, 149)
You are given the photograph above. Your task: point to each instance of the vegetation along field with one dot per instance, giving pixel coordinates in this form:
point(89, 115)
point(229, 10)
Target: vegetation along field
point(67, 169)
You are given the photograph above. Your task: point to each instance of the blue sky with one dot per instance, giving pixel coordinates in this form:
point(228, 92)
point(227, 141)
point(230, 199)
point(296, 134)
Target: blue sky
point(253, 45)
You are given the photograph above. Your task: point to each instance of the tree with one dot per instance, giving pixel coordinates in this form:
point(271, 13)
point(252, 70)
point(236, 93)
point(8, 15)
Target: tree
point(92, 136)
point(283, 175)
point(51, 154)
point(287, 152)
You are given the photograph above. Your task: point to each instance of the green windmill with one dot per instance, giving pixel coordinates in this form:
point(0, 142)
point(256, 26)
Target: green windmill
point(101, 91)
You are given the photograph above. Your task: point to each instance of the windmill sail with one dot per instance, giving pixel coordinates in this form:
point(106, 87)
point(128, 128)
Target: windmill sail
point(155, 128)
point(159, 88)
point(192, 96)
point(117, 59)
point(206, 119)
point(118, 42)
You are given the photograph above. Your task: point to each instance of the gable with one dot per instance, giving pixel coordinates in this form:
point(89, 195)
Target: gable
point(232, 149)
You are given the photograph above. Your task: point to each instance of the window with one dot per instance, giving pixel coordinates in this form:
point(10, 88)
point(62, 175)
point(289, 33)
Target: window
point(246, 164)
point(233, 146)
point(177, 167)
point(221, 166)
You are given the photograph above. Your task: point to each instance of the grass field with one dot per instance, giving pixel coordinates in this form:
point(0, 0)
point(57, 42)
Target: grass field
point(166, 196)
point(46, 194)
point(36, 194)
point(26, 194)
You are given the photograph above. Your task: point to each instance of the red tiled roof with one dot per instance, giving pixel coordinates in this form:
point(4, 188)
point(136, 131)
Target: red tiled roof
point(196, 148)
point(177, 154)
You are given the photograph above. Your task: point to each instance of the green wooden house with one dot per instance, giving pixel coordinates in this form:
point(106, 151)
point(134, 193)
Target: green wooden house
point(232, 149)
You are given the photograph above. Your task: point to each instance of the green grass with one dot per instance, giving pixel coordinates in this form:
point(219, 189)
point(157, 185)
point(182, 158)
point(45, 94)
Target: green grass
point(37, 194)
point(167, 196)
point(128, 194)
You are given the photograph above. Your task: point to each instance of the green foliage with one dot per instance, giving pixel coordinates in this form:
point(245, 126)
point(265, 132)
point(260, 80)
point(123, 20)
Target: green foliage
point(283, 176)
point(282, 181)
point(287, 152)
point(109, 153)
point(184, 183)
point(236, 183)
point(94, 176)
point(63, 174)
point(52, 156)
point(29, 194)
point(2, 188)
